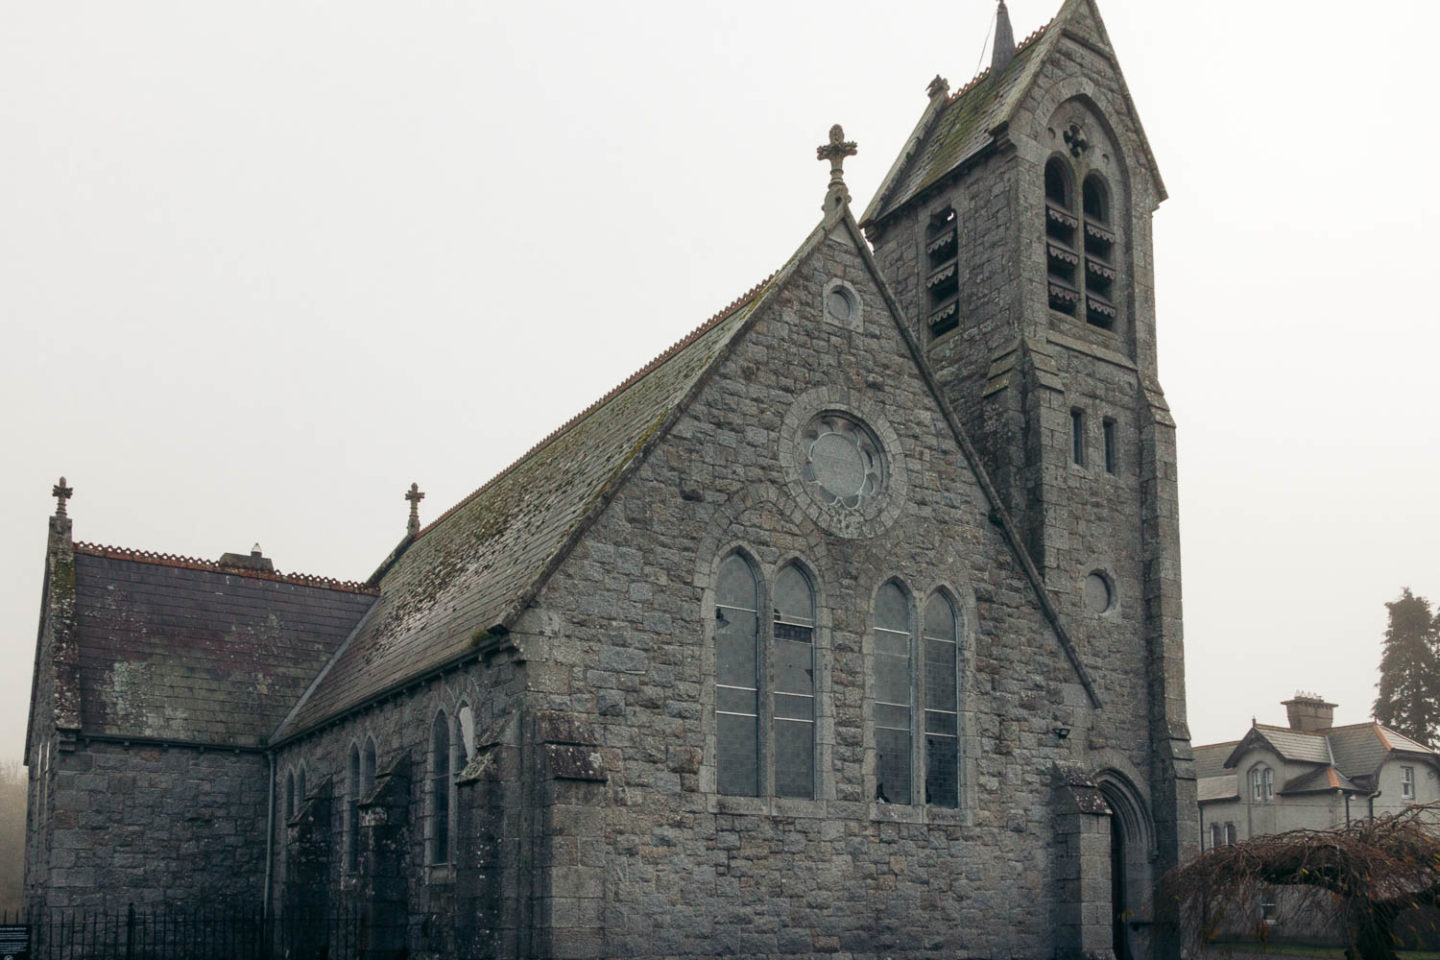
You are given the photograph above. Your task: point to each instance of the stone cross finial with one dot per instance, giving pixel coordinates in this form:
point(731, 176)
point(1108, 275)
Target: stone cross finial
point(836, 151)
point(61, 493)
point(939, 87)
point(414, 496)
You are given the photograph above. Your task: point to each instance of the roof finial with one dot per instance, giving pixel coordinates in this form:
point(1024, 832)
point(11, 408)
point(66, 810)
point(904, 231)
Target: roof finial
point(1004, 40)
point(414, 496)
point(836, 151)
point(61, 493)
point(939, 87)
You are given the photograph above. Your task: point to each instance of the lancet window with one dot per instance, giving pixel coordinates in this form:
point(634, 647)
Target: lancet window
point(942, 282)
point(764, 665)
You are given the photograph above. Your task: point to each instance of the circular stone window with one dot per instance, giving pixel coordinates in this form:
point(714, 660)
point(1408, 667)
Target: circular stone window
point(1098, 595)
point(840, 305)
point(841, 461)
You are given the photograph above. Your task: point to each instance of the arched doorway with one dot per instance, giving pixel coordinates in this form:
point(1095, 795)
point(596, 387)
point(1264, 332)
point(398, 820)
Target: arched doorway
point(1132, 852)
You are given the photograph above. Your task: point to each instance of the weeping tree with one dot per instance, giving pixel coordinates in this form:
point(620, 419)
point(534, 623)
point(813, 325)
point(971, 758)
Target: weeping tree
point(1364, 876)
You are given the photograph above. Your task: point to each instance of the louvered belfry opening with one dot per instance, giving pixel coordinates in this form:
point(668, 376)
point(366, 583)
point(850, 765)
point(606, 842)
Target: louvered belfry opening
point(942, 247)
point(1099, 253)
point(1061, 224)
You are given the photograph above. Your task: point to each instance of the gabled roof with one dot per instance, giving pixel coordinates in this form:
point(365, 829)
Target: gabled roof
point(1361, 748)
point(1292, 745)
point(976, 115)
point(467, 577)
point(178, 649)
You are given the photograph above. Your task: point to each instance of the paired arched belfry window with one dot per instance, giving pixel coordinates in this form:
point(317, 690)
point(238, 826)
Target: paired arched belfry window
point(898, 687)
point(764, 663)
point(1071, 239)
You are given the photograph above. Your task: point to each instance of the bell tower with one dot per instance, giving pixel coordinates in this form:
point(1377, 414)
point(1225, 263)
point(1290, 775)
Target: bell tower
point(1015, 230)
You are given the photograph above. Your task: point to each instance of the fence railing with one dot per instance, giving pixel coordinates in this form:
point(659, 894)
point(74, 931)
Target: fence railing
point(165, 933)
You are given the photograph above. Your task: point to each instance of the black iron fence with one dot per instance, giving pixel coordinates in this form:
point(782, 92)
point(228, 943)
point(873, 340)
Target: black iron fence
point(164, 933)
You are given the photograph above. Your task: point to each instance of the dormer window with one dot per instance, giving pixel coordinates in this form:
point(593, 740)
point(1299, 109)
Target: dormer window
point(1061, 254)
point(942, 282)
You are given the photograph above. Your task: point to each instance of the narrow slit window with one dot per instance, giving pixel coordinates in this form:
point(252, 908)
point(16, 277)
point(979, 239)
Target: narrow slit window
point(894, 682)
point(1077, 436)
point(1109, 431)
point(794, 718)
point(737, 679)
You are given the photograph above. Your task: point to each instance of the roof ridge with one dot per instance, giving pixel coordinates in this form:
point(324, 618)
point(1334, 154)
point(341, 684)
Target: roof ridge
point(212, 566)
point(976, 80)
point(741, 301)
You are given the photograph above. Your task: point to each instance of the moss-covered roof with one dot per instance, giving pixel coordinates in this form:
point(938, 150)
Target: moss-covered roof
point(472, 571)
point(964, 126)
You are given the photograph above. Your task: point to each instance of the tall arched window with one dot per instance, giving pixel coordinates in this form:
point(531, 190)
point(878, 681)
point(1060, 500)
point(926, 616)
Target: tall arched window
point(1061, 254)
point(737, 678)
point(290, 794)
point(352, 809)
point(300, 789)
point(794, 723)
point(894, 681)
point(367, 767)
point(942, 702)
point(440, 789)
point(1099, 255)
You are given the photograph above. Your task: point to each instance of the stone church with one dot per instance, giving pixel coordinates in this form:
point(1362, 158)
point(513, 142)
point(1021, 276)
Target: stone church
point(850, 625)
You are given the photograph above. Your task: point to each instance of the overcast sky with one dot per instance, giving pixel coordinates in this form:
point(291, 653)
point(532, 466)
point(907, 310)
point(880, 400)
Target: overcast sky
point(263, 264)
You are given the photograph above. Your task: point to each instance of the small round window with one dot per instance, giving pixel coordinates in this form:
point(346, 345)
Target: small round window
point(1098, 594)
point(840, 304)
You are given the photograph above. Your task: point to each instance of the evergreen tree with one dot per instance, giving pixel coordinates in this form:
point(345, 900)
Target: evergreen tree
point(1409, 699)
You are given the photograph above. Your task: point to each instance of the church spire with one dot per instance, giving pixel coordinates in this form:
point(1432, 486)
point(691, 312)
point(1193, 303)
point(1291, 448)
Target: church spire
point(1004, 40)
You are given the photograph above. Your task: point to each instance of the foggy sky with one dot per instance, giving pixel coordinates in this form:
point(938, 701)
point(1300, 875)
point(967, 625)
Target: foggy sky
point(262, 265)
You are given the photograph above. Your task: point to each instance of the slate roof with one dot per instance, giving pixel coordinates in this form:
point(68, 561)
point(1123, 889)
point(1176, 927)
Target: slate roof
point(467, 575)
point(1293, 745)
point(1360, 748)
point(972, 117)
point(180, 649)
point(1320, 780)
point(1217, 788)
point(963, 126)
point(1210, 758)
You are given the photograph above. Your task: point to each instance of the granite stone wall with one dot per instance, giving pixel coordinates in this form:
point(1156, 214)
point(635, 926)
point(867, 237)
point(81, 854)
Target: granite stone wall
point(150, 826)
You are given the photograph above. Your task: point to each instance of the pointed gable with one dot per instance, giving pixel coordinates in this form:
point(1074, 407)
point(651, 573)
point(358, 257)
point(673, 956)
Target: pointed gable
point(974, 119)
point(467, 577)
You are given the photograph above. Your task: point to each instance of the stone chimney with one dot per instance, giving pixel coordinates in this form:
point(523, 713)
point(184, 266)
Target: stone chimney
point(255, 560)
point(1309, 713)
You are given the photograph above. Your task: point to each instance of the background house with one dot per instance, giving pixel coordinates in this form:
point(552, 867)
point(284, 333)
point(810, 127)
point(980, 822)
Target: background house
point(1308, 775)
